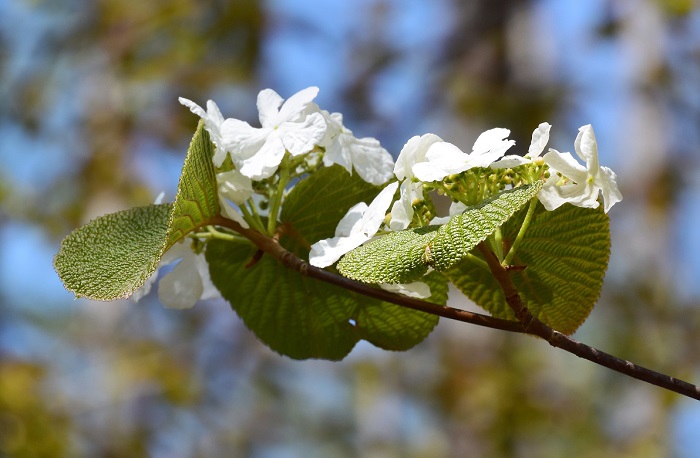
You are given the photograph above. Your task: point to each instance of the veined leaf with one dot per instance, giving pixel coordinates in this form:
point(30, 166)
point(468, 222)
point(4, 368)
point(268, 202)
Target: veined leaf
point(392, 327)
point(301, 317)
point(404, 256)
point(566, 255)
point(397, 257)
point(112, 256)
point(463, 232)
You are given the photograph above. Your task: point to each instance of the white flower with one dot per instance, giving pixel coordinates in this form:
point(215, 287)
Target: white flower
point(582, 184)
point(540, 137)
point(290, 126)
point(186, 284)
point(402, 210)
point(456, 208)
point(417, 289)
point(372, 162)
point(234, 186)
point(358, 225)
point(412, 153)
point(213, 121)
point(443, 159)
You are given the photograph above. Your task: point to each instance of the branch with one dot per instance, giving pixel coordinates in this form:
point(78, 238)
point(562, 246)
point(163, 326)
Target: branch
point(532, 325)
point(526, 324)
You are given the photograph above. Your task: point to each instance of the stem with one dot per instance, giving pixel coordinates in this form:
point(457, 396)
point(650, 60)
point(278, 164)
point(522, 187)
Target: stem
point(498, 243)
point(276, 200)
point(521, 232)
point(252, 218)
point(534, 326)
point(526, 324)
point(254, 211)
point(478, 261)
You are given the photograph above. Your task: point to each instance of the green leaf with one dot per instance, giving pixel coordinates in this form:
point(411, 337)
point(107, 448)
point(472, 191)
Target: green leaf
point(404, 256)
point(392, 327)
point(397, 257)
point(463, 232)
point(316, 204)
point(294, 315)
point(301, 317)
point(112, 256)
point(566, 254)
point(197, 199)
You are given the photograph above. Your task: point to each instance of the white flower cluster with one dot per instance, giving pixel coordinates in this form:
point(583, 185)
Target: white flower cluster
point(297, 126)
point(428, 159)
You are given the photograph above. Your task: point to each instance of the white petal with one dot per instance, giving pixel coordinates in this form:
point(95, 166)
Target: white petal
point(540, 137)
point(489, 140)
point(587, 148)
point(509, 162)
point(182, 287)
point(294, 108)
point(550, 198)
point(402, 210)
point(194, 108)
point(209, 291)
point(487, 157)
point(417, 289)
point(264, 163)
point(608, 184)
point(457, 208)
point(241, 139)
point(145, 288)
point(442, 159)
point(328, 251)
point(234, 186)
point(565, 164)
point(373, 163)
point(351, 222)
point(227, 211)
point(301, 137)
point(413, 152)
point(376, 212)
point(269, 103)
point(440, 220)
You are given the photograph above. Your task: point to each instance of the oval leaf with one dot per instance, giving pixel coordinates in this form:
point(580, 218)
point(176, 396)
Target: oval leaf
point(463, 232)
point(397, 257)
point(112, 256)
point(566, 255)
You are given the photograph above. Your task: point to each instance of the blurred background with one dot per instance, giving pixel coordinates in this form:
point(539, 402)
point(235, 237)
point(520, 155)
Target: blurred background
point(90, 124)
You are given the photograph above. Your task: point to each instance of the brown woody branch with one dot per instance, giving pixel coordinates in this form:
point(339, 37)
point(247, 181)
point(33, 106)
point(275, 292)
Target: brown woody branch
point(526, 324)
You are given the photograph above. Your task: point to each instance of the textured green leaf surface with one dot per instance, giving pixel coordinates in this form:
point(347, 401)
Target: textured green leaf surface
point(566, 253)
point(197, 201)
point(397, 257)
point(315, 205)
point(295, 316)
point(397, 328)
point(305, 318)
point(404, 256)
point(112, 256)
point(463, 232)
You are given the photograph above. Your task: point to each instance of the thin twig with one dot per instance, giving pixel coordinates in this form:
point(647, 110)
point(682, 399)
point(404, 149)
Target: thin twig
point(526, 323)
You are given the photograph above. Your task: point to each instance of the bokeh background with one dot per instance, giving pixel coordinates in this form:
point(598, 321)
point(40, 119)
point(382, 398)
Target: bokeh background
point(90, 124)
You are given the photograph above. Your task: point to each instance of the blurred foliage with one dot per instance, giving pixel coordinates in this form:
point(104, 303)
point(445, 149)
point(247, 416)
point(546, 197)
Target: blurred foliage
point(100, 86)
